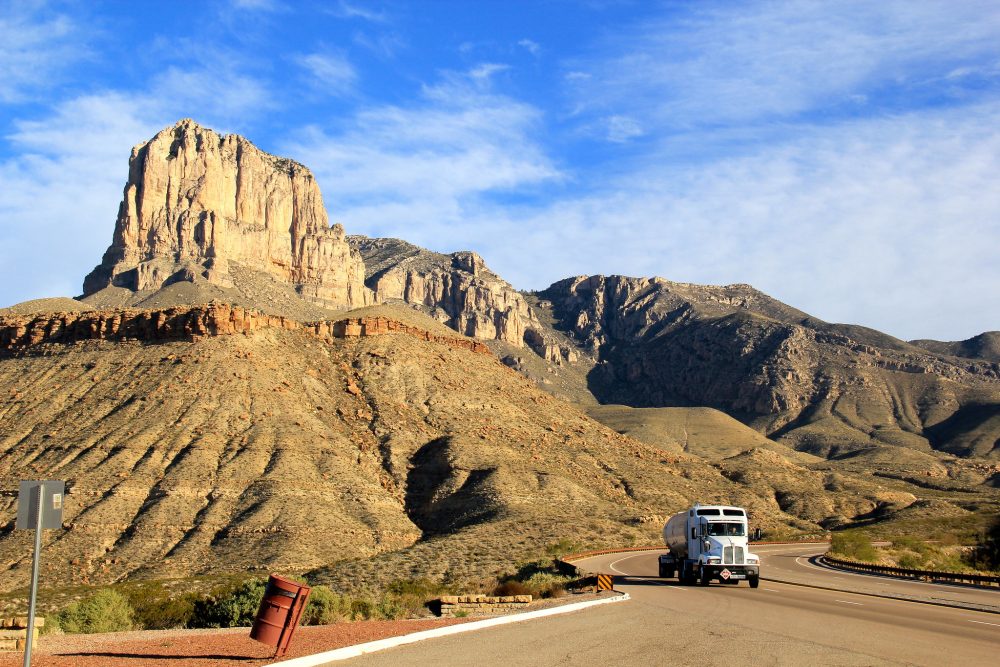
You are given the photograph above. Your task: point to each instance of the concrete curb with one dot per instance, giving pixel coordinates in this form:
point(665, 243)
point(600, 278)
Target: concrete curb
point(380, 645)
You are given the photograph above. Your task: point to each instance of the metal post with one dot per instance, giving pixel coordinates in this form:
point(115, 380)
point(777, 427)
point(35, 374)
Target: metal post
point(34, 575)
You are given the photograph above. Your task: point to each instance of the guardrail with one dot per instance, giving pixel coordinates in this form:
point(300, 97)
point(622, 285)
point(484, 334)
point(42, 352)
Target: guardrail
point(985, 580)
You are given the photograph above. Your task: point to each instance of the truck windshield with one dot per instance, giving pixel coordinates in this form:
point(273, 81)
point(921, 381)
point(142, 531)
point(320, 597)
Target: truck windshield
point(730, 529)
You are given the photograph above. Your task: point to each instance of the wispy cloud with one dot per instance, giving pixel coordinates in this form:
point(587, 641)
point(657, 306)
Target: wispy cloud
point(36, 46)
point(359, 10)
point(330, 72)
point(742, 63)
point(413, 171)
point(218, 85)
point(532, 47)
point(891, 222)
point(60, 193)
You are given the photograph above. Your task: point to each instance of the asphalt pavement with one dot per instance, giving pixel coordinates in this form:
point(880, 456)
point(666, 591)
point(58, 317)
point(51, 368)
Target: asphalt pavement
point(776, 624)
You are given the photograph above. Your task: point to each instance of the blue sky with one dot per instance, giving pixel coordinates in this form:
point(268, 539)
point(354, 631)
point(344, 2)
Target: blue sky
point(843, 157)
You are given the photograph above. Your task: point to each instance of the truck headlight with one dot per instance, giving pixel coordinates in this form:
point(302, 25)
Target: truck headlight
point(714, 561)
point(752, 561)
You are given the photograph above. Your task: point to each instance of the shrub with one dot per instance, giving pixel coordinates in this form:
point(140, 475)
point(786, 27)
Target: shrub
point(546, 584)
point(512, 587)
point(229, 607)
point(853, 544)
point(325, 607)
point(156, 609)
point(105, 611)
point(413, 595)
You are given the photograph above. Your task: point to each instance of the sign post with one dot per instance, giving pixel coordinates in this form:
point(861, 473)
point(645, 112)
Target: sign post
point(39, 506)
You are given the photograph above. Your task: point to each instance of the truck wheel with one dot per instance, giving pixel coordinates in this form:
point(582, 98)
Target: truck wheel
point(663, 571)
point(687, 577)
point(704, 578)
point(754, 582)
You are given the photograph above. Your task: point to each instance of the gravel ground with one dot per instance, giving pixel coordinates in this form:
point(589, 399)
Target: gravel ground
point(231, 646)
point(204, 648)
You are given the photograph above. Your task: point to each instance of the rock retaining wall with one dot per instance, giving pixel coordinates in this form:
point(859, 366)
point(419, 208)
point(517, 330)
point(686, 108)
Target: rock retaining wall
point(483, 605)
point(14, 633)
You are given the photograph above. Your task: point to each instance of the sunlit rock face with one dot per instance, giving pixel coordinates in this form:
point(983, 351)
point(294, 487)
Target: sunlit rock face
point(196, 200)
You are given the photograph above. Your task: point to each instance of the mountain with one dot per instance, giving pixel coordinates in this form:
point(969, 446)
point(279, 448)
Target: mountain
point(244, 388)
point(984, 346)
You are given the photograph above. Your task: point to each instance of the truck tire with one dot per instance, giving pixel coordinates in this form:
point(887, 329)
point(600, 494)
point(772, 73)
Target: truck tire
point(704, 578)
point(687, 576)
point(754, 581)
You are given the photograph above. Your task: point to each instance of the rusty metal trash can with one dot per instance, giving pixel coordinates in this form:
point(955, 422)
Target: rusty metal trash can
point(279, 613)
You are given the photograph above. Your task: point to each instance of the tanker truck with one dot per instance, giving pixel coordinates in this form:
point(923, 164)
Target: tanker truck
point(709, 542)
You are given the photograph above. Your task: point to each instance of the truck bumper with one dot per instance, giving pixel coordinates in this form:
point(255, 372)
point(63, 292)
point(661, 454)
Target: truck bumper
point(732, 573)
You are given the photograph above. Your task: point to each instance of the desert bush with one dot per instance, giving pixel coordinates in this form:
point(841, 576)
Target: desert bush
point(157, 609)
point(512, 587)
point(540, 579)
point(547, 584)
point(986, 555)
point(563, 547)
point(325, 607)
point(853, 544)
point(229, 607)
point(106, 610)
point(413, 595)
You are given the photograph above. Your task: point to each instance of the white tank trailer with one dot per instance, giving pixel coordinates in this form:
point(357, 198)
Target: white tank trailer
point(709, 542)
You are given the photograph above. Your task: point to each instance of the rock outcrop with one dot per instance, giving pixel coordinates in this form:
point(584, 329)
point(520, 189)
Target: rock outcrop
point(457, 289)
point(18, 333)
point(196, 201)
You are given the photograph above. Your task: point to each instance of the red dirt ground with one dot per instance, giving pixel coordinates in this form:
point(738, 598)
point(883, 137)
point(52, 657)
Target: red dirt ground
point(204, 648)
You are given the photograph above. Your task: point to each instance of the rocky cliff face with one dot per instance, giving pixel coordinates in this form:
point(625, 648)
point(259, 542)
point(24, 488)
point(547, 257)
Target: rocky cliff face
point(459, 290)
point(824, 388)
point(196, 201)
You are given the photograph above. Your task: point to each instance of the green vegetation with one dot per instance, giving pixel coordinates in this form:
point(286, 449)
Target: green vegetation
point(229, 607)
point(539, 579)
point(854, 545)
point(106, 610)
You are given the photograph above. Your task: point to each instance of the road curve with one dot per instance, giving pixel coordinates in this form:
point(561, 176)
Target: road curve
point(797, 564)
point(775, 624)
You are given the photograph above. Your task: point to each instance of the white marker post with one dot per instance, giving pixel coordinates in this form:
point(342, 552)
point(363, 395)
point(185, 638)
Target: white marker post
point(39, 506)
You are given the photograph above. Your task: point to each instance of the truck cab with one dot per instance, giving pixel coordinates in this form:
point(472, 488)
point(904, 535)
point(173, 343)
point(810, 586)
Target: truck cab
point(710, 542)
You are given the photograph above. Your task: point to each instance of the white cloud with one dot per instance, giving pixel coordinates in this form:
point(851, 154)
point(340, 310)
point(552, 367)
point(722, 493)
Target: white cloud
point(35, 47)
point(417, 171)
point(359, 10)
point(485, 71)
point(891, 223)
point(741, 63)
point(61, 193)
point(622, 129)
point(215, 89)
point(532, 47)
point(330, 72)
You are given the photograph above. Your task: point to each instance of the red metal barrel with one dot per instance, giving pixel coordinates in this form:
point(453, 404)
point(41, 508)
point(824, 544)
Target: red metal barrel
point(279, 612)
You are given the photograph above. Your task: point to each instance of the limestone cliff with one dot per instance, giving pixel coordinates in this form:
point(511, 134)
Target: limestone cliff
point(457, 289)
point(196, 201)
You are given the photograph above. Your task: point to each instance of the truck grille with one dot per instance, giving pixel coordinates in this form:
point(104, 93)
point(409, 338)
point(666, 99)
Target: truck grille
point(733, 556)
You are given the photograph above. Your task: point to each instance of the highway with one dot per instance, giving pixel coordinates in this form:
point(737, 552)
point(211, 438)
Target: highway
point(776, 624)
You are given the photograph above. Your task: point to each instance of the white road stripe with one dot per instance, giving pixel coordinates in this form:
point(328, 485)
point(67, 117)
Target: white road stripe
point(626, 574)
point(773, 590)
point(846, 602)
point(984, 623)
